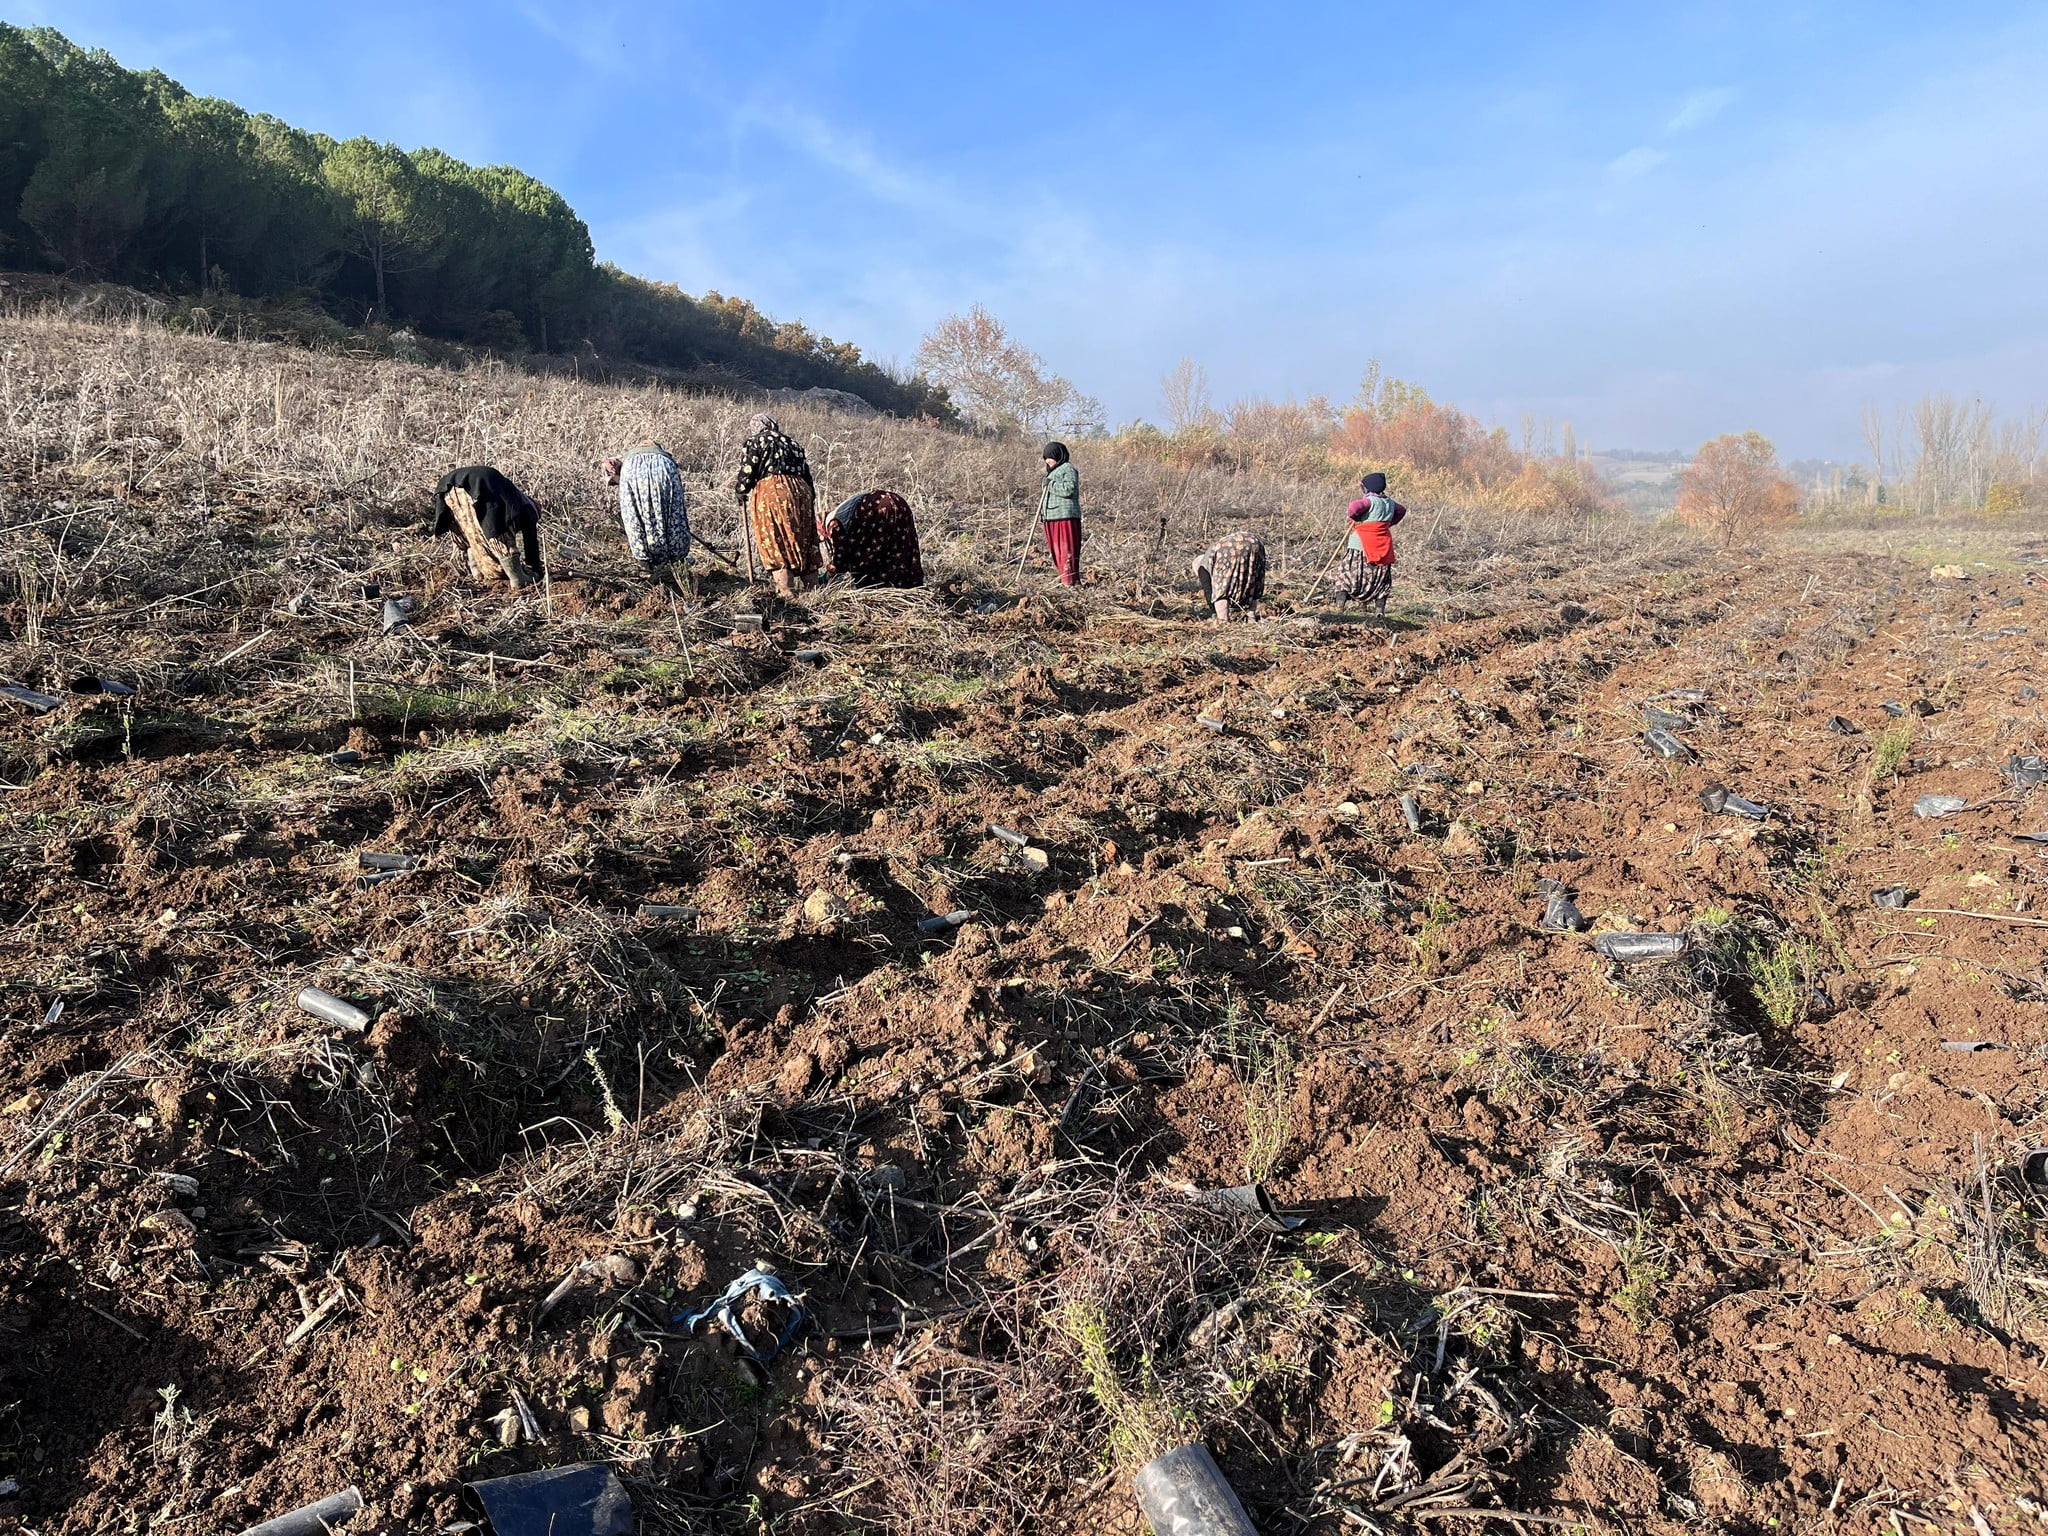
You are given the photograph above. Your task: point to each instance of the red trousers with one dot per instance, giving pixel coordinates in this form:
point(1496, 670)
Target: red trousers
point(1063, 543)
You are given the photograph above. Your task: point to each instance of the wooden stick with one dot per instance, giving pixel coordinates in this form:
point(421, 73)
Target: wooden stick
point(1127, 943)
point(103, 1312)
point(1329, 1007)
point(245, 645)
point(731, 564)
point(1323, 574)
point(1989, 917)
point(1464, 1513)
point(316, 1317)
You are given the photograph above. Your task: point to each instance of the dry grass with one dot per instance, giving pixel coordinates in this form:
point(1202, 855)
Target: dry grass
point(175, 423)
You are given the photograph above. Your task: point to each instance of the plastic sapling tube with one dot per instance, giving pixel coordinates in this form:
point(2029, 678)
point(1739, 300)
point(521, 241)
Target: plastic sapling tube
point(1184, 1493)
point(1635, 948)
point(335, 1010)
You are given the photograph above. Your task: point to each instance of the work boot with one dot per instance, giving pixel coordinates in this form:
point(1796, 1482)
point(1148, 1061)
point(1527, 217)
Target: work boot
point(515, 570)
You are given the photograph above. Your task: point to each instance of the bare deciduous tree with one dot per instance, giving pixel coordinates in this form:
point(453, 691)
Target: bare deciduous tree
point(997, 382)
point(1185, 392)
point(1952, 438)
point(1873, 439)
point(1945, 454)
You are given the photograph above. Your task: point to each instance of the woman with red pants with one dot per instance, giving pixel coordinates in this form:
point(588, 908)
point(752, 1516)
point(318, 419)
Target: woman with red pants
point(1060, 510)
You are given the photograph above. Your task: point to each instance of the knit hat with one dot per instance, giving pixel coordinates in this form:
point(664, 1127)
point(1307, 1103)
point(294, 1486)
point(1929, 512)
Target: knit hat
point(1057, 452)
point(1374, 484)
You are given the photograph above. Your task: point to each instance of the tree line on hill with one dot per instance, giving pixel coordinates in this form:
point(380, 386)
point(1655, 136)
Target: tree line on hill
point(120, 175)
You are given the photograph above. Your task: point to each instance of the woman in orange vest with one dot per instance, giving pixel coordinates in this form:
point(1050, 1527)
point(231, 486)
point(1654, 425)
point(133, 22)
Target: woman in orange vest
point(1365, 571)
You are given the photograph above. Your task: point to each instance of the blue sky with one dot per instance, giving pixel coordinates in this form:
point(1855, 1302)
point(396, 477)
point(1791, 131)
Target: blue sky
point(1657, 221)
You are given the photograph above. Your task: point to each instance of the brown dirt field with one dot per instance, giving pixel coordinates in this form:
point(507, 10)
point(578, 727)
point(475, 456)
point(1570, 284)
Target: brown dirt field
point(1728, 1244)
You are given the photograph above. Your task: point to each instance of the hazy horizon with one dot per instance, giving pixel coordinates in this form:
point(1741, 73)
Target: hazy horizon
point(1656, 226)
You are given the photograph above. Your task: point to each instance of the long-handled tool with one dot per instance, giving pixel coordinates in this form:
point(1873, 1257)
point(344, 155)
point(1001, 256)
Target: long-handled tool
point(747, 539)
point(714, 549)
point(1324, 574)
point(1031, 528)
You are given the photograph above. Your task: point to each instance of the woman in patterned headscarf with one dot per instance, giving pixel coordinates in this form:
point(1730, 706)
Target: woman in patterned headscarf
point(653, 510)
point(873, 538)
point(774, 487)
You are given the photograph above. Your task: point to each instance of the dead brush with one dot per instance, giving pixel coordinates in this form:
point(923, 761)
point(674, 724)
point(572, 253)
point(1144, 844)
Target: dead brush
point(685, 1154)
point(1456, 1405)
point(1230, 775)
point(934, 1439)
point(1106, 1357)
point(1324, 903)
point(1981, 1236)
point(1576, 1192)
point(1536, 1079)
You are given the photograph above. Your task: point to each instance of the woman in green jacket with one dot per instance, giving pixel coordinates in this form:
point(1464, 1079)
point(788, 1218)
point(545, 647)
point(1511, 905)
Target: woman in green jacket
point(1060, 510)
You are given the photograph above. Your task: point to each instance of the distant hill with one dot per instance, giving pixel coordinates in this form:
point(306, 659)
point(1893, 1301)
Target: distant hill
point(1644, 480)
point(110, 174)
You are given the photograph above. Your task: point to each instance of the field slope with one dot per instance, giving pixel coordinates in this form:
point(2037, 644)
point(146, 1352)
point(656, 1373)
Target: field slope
point(1734, 1243)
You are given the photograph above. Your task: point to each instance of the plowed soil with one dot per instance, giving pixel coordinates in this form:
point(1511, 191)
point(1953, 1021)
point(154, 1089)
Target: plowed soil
point(1734, 1242)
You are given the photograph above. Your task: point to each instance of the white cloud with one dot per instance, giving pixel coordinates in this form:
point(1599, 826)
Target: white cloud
point(594, 40)
point(1639, 161)
point(1701, 107)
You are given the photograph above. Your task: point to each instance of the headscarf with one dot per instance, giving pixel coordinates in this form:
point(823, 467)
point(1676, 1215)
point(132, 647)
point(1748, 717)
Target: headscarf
point(1057, 452)
point(763, 422)
point(1374, 484)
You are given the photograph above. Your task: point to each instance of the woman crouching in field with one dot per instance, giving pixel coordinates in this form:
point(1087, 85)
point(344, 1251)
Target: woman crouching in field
point(1365, 571)
point(774, 488)
point(1233, 575)
point(654, 511)
point(490, 513)
point(872, 537)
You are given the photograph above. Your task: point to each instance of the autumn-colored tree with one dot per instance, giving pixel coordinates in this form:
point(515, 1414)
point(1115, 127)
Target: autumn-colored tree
point(1733, 488)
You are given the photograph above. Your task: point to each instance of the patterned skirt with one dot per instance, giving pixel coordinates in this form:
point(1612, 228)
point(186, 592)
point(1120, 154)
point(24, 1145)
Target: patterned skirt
point(1237, 570)
point(876, 542)
point(783, 510)
point(1356, 579)
point(653, 509)
point(492, 561)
